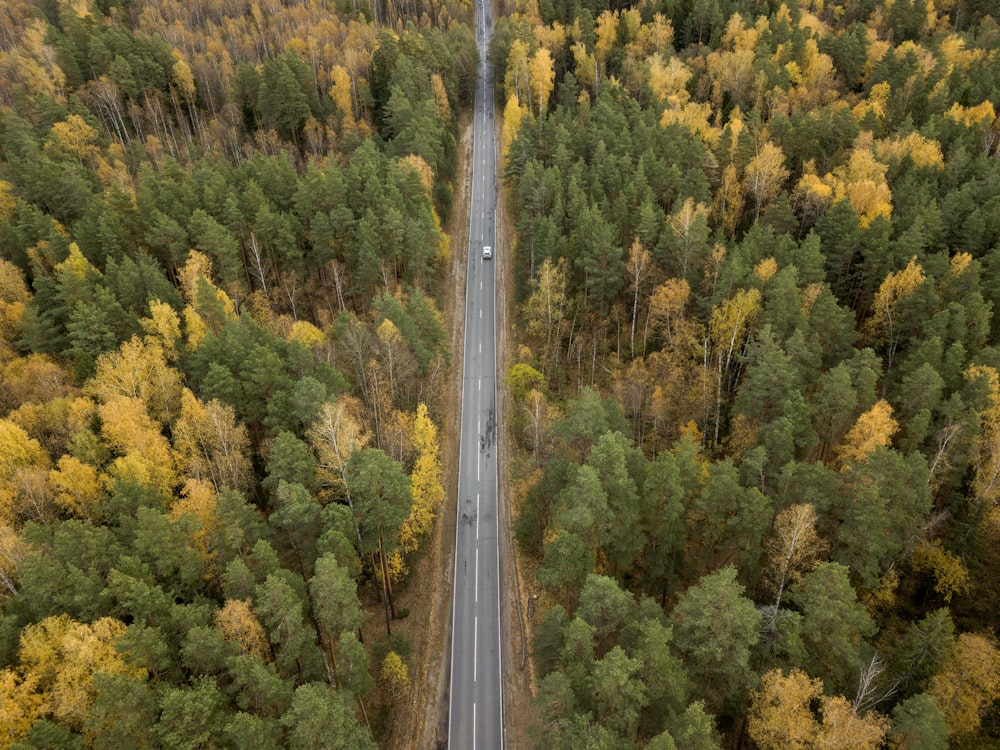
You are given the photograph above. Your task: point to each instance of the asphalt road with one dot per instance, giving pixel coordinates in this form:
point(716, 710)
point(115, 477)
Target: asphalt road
point(475, 710)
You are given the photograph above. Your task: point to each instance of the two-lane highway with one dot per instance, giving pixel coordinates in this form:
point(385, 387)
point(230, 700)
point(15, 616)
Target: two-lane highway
point(475, 713)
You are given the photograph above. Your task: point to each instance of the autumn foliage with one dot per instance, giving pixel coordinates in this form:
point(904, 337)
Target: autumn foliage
point(754, 250)
point(220, 248)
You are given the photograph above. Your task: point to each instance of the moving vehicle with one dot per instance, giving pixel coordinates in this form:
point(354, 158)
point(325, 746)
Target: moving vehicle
point(487, 252)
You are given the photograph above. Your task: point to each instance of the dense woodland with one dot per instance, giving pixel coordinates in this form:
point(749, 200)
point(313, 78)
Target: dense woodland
point(755, 392)
point(755, 396)
point(222, 361)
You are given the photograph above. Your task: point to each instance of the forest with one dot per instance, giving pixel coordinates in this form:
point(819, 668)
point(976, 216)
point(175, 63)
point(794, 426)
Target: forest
point(222, 363)
point(754, 386)
point(755, 395)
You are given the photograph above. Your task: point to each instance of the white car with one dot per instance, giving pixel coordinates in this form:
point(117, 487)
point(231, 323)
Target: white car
point(487, 252)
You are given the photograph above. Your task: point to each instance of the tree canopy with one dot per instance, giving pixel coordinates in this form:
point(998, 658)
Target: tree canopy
point(754, 380)
point(222, 362)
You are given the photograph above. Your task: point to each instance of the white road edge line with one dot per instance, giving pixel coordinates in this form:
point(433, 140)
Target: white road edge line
point(475, 649)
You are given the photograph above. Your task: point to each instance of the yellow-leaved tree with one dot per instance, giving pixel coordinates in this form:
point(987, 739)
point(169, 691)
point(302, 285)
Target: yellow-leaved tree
point(922, 151)
point(968, 683)
point(139, 369)
point(883, 326)
point(20, 706)
point(545, 309)
point(873, 429)
point(513, 113)
point(606, 32)
point(199, 499)
point(794, 548)
point(182, 78)
point(782, 718)
point(585, 69)
point(950, 575)
point(688, 232)
point(34, 61)
point(211, 444)
point(18, 450)
point(209, 308)
point(656, 36)
point(518, 74)
point(144, 455)
point(729, 199)
point(697, 118)
point(238, 624)
point(765, 175)
point(983, 115)
point(164, 326)
point(731, 68)
point(395, 674)
point(552, 37)
point(61, 658)
point(765, 270)
point(668, 81)
point(637, 269)
point(780, 714)
point(425, 482)
point(816, 79)
point(76, 486)
point(13, 551)
point(342, 93)
point(729, 328)
point(14, 295)
point(844, 729)
point(986, 450)
point(8, 200)
point(306, 333)
point(666, 307)
point(31, 381)
point(862, 181)
point(542, 79)
point(334, 436)
point(441, 97)
point(811, 196)
point(731, 321)
point(74, 136)
point(18, 453)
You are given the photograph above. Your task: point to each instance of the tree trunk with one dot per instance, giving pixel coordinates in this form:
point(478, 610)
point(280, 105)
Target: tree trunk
point(336, 281)
point(386, 578)
point(329, 654)
point(350, 504)
point(718, 403)
point(645, 327)
point(258, 263)
point(382, 593)
point(593, 358)
point(635, 312)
